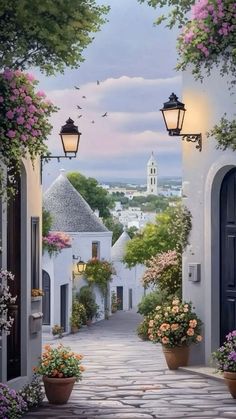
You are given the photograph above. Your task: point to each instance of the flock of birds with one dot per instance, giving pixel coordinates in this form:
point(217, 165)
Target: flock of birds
point(80, 108)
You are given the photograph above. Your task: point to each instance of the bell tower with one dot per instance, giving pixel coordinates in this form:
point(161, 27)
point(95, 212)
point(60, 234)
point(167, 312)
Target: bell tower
point(152, 176)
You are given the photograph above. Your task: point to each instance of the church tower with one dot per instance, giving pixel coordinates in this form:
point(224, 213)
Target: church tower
point(152, 176)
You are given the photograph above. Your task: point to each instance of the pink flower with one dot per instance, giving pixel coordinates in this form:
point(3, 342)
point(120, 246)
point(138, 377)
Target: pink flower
point(11, 133)
point(28, 99)
point(20, 120)
point(10, 114)
point(8, 74)
point(18, 72)
point(12, 98)
point(1, 99)
point(40, 93)
point(24, 137)
point(30, 77)
point(32, 109)
point(16, 92)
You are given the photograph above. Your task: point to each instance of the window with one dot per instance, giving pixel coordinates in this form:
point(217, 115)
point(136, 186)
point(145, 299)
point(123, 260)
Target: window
point(35, 252)
point(96, 250)
point(151, 180)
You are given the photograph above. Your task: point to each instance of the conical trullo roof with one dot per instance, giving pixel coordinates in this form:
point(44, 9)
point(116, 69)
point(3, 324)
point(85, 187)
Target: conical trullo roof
point(69, 211)
point(118, 249)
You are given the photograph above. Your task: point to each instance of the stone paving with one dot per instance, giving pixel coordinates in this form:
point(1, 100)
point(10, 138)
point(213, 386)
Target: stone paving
point(127, 378)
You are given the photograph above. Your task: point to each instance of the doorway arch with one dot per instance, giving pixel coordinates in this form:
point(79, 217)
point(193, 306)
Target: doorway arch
point(228, 254)
point(46, 300)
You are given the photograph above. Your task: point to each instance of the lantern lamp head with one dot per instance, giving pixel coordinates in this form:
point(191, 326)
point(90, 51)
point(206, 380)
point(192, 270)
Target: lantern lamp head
point(173, 113)
point(70, 137)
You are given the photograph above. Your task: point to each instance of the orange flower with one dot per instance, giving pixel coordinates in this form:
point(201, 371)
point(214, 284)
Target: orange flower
point(174, 326)
point(165, 340)
point(151, 322)
point(82, 368)
point(47, 347)
point(164, 327)
point(190, 332)
point(175, 309)
point(193, 323)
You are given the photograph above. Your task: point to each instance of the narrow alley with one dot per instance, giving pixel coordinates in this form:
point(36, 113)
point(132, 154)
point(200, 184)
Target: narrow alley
point(127, 378)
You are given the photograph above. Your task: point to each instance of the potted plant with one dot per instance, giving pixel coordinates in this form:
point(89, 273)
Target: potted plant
point(57, 330)
point(114, 302)
point(225, 359)
point(78, 315)
point(60, 368)
point(176, 327)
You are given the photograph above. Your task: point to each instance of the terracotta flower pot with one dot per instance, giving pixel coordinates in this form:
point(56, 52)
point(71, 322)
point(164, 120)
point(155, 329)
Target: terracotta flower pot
point(58, 390)
point(176, 357)
point(74, 329)
point(230, 379)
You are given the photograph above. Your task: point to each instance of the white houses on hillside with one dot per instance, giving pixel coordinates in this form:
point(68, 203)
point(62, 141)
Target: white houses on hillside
point(71, 214)
point(126, 284)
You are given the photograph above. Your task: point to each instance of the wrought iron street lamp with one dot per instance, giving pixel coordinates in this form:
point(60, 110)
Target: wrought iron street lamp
point(79, 267)
point(173, 113)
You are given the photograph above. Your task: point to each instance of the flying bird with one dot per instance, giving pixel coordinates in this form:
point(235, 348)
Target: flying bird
point(92, 122)
point(77, 87)
point(98, 82)
point(105, 114)
point(79, 116)
point(84, 97)
point(79, 107)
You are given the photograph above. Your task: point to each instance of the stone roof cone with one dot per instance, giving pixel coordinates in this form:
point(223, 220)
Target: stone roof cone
point(118, 248)
point(69, 210)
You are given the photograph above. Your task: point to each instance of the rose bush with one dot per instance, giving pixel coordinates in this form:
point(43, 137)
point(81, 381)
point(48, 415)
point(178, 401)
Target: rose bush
point(24, 125)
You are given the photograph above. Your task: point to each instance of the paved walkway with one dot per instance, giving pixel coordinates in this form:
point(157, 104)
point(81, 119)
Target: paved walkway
point(127, 378)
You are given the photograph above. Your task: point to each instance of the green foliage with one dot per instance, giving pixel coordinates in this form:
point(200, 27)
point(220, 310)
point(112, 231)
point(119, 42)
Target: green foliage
point(99, 272)
point(95, 195)
point(33, 393)
point(57, 330)
point(224, 133)
point(46, 222)
point(78, 315)
point(142, 329)
point(115, 226)
point(87, 298)
point(169, 232)
point(132, 231)
point(48, 34)
point(178, 10)
point(114, 302)
point(150, 301)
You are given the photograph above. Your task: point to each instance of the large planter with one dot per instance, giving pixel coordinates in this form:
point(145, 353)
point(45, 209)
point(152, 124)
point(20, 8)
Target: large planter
point(230, 379)
point(74, 329)
point(58, 390)
point(176, 357)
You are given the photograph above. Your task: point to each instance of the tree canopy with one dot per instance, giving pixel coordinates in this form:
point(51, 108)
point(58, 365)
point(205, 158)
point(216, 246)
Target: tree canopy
point(49, 34)
point(95, 195)
point(169, 232)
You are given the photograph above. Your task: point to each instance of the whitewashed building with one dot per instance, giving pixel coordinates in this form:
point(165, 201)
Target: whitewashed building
point(126, 284)
point(72, 215)
point(209, 190)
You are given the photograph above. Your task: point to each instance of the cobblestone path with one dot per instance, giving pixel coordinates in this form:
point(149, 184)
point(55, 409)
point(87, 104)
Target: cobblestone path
point(127, 378)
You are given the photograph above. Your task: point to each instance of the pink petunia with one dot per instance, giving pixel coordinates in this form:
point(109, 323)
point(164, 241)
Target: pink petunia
point(20, 120)
point(1, 99)
point(30, 77)
point(10, 114)
point(16, 92)
point(41, 93)
point(28, 100)
point(11, 133)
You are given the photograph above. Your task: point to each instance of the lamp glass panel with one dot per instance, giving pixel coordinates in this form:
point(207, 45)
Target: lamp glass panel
point(181, 118)
point(81, 266)
point(171, 118)
point(70, 142)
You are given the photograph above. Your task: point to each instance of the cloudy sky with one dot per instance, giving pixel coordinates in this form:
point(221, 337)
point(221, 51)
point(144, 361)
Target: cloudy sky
point(134, 63)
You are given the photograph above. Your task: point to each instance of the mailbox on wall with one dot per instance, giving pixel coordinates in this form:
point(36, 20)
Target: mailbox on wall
point(194, 272)
point(35, 322)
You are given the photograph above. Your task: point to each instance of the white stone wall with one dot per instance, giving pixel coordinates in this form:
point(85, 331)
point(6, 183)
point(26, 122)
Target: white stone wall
point(202, 175)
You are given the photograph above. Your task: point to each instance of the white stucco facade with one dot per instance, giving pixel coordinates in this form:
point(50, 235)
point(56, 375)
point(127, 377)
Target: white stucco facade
point(203, 173)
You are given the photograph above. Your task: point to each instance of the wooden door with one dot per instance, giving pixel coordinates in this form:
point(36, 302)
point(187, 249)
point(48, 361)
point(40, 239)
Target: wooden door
point(119, 293)
point(228, 254)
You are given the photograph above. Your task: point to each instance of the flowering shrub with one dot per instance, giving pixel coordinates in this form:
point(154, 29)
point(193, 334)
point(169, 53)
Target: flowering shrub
point(78, 314)
point(175, 324)
point(5, 299)
point(57, 330)
point(99, 272)
point(12, 405)
point(208, 38)
point(225, 356)
point(55, 242)
point(37, 292)
point(224, 133)
point(33, 393)
point(60, 362)
point(24, 125)
point(164, 270)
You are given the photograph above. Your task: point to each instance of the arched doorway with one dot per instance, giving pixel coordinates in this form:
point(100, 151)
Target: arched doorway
point(46, 282)
point(228, 254)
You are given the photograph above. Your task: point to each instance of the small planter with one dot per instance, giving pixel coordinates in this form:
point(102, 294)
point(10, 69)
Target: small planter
point(58, 390)
point(230, 380)
point(176, 357)
point(74, 329)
